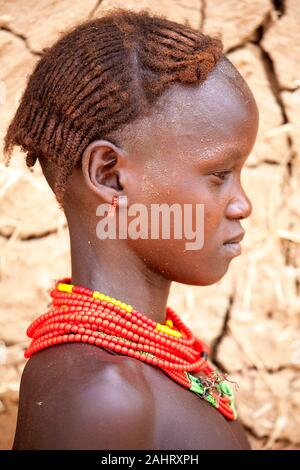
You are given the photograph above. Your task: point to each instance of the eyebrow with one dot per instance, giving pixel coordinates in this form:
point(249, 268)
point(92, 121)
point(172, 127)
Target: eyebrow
point(227, 154)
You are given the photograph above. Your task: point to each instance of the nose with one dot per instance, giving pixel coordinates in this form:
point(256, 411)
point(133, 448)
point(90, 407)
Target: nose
point(239, 207)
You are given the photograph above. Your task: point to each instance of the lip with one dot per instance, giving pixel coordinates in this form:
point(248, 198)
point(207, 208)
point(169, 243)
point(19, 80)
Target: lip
point(236, 239)
point(232, 245)
point(233, 249)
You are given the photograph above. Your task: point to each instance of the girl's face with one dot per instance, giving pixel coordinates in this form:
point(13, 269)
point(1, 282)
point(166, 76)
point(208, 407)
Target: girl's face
point(191, 150)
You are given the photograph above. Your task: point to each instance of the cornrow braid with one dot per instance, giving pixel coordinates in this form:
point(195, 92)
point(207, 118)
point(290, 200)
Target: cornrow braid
point(99, 76)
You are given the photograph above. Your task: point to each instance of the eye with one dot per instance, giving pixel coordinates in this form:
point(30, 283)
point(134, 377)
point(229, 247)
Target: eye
point(221, 174)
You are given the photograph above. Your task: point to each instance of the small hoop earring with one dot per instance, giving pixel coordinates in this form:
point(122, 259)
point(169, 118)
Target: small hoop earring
point(112, 209)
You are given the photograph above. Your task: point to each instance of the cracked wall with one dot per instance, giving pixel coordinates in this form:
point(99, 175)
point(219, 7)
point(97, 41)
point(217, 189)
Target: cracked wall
point(250, 317)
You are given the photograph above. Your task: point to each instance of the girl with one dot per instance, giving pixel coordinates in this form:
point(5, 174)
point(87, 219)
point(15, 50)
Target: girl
point(134, 107)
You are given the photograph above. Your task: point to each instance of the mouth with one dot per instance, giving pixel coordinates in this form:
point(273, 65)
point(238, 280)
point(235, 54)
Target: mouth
point(232, 245)
point(233, 248)
point(236, 239)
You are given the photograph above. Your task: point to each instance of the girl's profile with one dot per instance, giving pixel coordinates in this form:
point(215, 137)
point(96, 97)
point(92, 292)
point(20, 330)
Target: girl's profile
point(133, 105)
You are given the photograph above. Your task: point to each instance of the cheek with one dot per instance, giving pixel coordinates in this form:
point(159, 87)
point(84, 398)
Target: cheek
point(186, 260)
point(214, 205)
point(213, 216)
point(148, 190)
point(167, 182)
point(180, 189)
point(171, 259)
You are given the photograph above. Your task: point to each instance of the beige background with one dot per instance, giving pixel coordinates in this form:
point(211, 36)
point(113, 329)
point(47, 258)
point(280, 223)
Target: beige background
point(252, 316)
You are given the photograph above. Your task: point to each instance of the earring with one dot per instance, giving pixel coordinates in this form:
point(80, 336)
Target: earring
point(113, 206)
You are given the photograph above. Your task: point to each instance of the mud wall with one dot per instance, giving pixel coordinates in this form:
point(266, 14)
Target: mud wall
point(252, 316)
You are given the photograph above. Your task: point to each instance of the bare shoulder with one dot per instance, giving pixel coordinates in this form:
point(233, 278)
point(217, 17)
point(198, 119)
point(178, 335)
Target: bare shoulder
point(81, 397)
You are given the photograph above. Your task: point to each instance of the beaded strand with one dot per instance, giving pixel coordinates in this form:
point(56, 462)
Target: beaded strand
point(78, 314)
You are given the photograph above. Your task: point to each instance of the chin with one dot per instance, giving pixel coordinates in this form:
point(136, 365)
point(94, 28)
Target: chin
point(206, 279)
point(197, 276)
point(212, 278)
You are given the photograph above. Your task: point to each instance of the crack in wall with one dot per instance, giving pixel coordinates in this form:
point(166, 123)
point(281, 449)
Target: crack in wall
point(39, 236)
point(92, 12)
point(280, 7)
point(265, 439)
point(269, 370)
point(298, 286)
point(252, 433)
point(203, 14)
point(218, 340)
point(23, 39)
point(276, 90)
point(274, 83)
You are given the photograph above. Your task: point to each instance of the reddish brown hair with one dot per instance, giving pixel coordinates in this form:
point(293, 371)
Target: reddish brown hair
point(101, 75)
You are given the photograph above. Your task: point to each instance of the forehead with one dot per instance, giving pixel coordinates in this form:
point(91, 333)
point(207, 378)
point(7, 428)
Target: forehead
point(201, 120)
point(219, 112)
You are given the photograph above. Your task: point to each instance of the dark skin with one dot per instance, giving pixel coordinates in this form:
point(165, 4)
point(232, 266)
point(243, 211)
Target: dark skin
point(80, 396)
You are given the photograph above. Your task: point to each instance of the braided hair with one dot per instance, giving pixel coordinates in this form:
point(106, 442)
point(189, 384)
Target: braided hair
point(99, 76)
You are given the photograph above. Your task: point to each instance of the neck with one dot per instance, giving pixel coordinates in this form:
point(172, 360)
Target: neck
point(98, 265)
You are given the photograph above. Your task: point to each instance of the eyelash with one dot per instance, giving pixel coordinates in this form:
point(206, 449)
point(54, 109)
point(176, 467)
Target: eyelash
point(218, 174)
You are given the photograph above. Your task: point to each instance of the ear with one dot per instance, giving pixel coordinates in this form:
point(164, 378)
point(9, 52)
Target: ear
point(102, 167)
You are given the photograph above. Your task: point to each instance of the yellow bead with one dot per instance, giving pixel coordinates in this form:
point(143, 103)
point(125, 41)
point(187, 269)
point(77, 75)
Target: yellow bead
point(65, 287)
point(96, 294)
point(107, 298)
point(165, 329)
point(118, 303)
point(169, 323)
point(113, 300)
point(129, 308)
point(177, 334)
point(123, 305)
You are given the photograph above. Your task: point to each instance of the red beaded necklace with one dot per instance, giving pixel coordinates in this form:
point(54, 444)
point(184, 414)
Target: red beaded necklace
point(78, 314)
